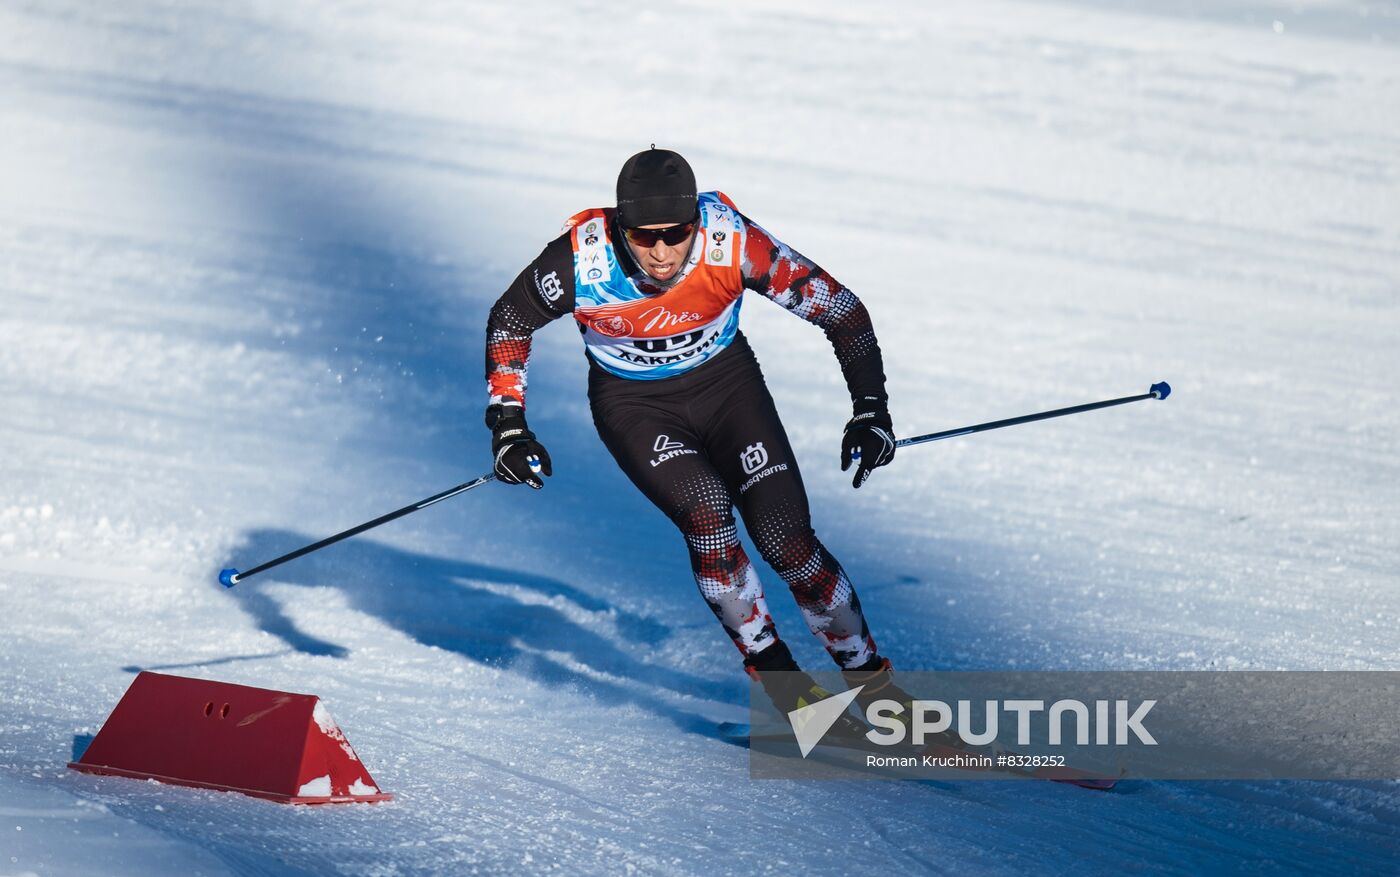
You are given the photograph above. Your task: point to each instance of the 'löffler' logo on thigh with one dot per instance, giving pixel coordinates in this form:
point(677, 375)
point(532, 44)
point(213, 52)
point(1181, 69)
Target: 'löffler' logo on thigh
point(755, 459)
point(669, 448)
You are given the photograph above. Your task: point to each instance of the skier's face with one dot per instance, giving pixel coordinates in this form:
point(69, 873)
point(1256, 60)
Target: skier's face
point(660, 260)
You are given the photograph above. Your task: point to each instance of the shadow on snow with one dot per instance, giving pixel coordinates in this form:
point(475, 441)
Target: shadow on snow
point(544, 628)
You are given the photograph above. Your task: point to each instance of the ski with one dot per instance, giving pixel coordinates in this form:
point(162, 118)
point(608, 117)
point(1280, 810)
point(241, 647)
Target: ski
point(742, 733)
point(739, 732)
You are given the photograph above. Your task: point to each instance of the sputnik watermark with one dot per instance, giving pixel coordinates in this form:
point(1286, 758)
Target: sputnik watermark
point(810, 723)
point(1126, 724)
point(1186, 725)
point(959, 761)
point(889, 727)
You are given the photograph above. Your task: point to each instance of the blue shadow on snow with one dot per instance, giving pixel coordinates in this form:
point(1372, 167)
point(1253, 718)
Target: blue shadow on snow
point(492, 615)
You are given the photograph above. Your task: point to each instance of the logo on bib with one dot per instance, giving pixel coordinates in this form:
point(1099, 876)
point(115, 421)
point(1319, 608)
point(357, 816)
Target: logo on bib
point(613, 327)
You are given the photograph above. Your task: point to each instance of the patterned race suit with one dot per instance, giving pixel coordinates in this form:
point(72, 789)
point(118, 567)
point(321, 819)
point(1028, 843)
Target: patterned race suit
point(678, 398)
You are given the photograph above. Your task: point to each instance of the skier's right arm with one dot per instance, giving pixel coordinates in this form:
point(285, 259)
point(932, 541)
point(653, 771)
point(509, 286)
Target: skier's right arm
point(540, 294)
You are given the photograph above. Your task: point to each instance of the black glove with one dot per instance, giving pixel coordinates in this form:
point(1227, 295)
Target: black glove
point(519, 458)
point(869, 439)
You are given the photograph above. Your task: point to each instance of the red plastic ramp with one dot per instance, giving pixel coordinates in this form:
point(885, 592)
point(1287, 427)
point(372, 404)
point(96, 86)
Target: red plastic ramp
point(213, 735)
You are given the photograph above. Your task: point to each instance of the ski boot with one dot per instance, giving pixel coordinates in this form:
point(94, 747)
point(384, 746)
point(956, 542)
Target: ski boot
point(877, 677)
point(791, 689)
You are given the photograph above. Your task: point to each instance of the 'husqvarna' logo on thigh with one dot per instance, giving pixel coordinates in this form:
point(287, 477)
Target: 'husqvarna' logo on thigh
point(755, 462)
point(754, 457)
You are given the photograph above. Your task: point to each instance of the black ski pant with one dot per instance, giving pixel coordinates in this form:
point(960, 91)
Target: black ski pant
point(703, 442)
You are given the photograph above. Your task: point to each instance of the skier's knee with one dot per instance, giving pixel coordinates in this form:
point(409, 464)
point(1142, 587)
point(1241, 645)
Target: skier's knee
point(793, 554)
point(821, 591)
point(704, 519)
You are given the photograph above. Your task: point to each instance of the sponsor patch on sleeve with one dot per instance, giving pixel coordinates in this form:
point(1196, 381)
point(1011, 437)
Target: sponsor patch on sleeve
point(592, 252)
point(719, 235)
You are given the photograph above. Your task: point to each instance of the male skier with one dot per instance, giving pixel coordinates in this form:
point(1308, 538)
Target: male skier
point(655, 287)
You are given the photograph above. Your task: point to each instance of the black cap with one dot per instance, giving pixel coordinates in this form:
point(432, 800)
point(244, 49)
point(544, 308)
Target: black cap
point(655, 187)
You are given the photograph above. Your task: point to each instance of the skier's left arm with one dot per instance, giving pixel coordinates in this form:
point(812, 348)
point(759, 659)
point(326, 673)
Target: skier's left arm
point(778, 272)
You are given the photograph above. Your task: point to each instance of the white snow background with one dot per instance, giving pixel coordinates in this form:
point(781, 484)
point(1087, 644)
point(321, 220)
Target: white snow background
point(246, 255)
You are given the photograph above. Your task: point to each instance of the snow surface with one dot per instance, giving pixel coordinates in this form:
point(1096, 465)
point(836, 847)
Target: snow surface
point(248, 251)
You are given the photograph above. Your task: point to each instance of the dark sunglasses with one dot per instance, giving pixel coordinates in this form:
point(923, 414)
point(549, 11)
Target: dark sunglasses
point(670, 236)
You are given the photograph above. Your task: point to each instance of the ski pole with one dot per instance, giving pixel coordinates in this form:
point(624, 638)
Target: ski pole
point(1159, 390)
point(230, 577)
